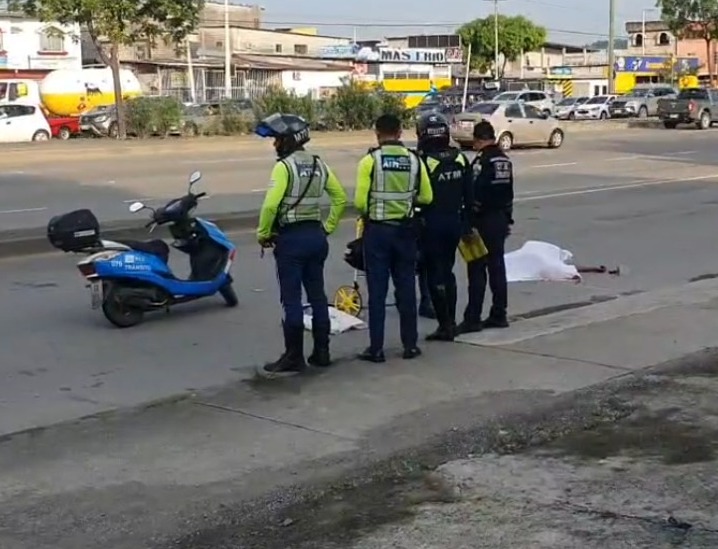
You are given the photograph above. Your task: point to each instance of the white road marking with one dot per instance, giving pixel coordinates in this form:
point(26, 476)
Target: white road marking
point(554, 165)
point(632, 185)
point(139, 200)
point(24, 210)
point(623, 158)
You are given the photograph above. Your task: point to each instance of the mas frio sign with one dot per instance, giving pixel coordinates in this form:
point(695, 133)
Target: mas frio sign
point(428, 56)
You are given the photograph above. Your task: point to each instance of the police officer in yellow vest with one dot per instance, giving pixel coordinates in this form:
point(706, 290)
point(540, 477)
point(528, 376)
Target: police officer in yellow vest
point(391, 179)
point(290, 221)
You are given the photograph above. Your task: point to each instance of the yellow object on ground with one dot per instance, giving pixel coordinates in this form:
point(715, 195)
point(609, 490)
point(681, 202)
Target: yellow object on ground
point(348, 299)
point(472, 248)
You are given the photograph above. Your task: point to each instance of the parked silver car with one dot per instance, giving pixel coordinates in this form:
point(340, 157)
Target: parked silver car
point(566, 108)
point(596, 108)
point(537, 99)
point(641, 102)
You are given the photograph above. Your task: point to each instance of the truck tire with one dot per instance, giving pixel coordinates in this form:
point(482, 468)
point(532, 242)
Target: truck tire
point(64, 133)
point(704, 121)
point(643, 112)
point(670, 125)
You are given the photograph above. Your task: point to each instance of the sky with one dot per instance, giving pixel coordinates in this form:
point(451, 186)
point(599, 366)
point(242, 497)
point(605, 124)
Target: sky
point(568, 21)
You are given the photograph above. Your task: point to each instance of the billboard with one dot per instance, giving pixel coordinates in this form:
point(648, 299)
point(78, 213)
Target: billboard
point(425, 56)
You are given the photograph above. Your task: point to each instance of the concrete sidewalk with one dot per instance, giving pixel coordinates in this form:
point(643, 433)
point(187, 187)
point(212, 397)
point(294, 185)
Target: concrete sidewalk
point(200, 469)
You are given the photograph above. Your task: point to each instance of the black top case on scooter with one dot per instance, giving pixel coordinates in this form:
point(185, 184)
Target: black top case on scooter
point(74, 231)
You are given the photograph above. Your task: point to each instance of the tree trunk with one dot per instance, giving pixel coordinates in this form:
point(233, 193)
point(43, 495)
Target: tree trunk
point(117, 82)
point(709, 60)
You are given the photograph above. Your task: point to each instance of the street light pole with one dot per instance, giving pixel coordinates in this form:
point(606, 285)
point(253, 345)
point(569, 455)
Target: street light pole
point(611, 44)
point(227, 54)
point(643, 32)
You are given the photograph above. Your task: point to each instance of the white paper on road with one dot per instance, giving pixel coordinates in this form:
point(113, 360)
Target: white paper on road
point(341, 322)
point(537, 260)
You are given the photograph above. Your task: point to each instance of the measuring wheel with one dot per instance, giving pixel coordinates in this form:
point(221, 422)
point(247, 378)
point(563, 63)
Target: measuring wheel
point(347, 299)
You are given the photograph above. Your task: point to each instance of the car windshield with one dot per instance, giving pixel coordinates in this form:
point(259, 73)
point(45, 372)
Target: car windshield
point(98, 110)
point(483, 108)
point(598, 100)
point(639, 93)
point(567, 102)
point(507, 96)
point(693, 93)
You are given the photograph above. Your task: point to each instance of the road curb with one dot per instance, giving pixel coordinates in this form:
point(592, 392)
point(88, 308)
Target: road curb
point(28, 242)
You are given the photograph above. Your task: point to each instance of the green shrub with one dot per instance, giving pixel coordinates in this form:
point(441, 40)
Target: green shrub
point(147, 116)
point(354, 106)
point(139, 115)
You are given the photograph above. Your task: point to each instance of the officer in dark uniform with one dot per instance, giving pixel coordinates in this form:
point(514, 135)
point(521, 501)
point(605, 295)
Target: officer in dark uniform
point(444, 220)
point(493, 195)
point(290, 221)
point(391, 179)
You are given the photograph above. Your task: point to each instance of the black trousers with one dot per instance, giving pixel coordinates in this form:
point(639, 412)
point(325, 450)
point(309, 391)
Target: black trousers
point(491, 269)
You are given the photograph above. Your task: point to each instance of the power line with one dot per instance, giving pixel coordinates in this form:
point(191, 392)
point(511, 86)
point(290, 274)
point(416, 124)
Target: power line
point(387, 25)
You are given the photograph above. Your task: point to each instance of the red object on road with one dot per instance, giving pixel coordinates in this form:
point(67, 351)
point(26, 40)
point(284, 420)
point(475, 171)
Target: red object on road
point(64, 127)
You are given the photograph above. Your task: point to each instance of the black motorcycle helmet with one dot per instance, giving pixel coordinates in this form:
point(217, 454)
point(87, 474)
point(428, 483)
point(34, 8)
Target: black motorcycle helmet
point(290, 132)
point(432, 130)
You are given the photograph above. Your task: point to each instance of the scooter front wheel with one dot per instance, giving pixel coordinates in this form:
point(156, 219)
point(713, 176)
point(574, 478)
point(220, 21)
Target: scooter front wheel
point(229, 295)
point(118, 312)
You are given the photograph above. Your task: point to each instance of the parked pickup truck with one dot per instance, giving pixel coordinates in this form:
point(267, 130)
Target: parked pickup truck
point(64, 127)
point(697, 106)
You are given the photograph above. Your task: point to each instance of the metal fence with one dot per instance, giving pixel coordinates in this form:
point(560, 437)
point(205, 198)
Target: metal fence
point(209, 84)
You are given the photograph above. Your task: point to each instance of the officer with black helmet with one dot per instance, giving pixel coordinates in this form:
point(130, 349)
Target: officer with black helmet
point(290, 221)
point(445, 219)
point(493, 195)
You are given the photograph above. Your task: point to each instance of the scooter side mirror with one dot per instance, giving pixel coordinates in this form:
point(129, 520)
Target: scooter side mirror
point(136, 207)
point(194, 178)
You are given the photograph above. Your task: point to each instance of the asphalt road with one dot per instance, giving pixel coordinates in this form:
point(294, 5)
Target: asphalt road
point(35, 188)
point(60, 360)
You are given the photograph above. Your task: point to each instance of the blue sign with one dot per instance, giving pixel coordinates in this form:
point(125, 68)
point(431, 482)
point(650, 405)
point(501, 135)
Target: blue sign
point(343, 51)
point(654, 64)
point(561, 71)
point(3, 61)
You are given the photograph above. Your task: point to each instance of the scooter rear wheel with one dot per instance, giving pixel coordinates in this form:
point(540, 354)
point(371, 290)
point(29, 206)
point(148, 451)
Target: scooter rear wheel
point(229, 295)
point(117, 312)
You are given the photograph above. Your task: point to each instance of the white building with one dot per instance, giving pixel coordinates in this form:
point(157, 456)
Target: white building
point(29, 48)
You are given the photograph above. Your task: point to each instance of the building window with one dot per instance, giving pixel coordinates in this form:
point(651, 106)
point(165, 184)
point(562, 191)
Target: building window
point(219, 44)
point(300, 49)
point(277, 48)
point(52, 40)
point(638, 40)
point(664, 39)
point(1, 42)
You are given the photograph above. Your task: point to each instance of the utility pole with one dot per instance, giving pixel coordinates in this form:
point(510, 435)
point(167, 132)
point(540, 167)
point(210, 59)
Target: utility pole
point(496, 39)
point(611, 46)
point(227, 54)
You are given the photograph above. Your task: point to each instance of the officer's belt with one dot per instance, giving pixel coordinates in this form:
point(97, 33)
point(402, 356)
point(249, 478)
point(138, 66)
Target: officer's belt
point(404, 222)
point(298, 225)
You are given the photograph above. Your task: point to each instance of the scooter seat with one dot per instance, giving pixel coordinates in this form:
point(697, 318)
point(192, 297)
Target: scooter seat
point(155, 247)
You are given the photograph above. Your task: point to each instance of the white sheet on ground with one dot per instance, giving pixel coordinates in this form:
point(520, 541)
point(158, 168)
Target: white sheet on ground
point(341, 322)
point(537, 260)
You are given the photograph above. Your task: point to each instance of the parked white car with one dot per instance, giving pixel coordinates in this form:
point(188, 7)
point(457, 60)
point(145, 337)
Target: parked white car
point(596, 108)
point(23, 123)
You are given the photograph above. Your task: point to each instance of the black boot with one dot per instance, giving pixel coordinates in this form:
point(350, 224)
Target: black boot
point(445, 331)
point(320, 356)
point(292, 361)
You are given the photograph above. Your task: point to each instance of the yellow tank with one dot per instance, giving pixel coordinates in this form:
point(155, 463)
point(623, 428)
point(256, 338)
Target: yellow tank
point(72, 92)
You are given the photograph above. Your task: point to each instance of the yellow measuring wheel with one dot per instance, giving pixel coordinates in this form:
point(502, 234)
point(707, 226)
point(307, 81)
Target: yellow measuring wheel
point(348, 299)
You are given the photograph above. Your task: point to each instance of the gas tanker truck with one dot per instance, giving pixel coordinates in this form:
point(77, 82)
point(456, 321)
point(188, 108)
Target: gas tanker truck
point(69, 92)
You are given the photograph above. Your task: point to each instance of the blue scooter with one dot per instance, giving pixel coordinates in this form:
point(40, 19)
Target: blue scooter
point(129, 278)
